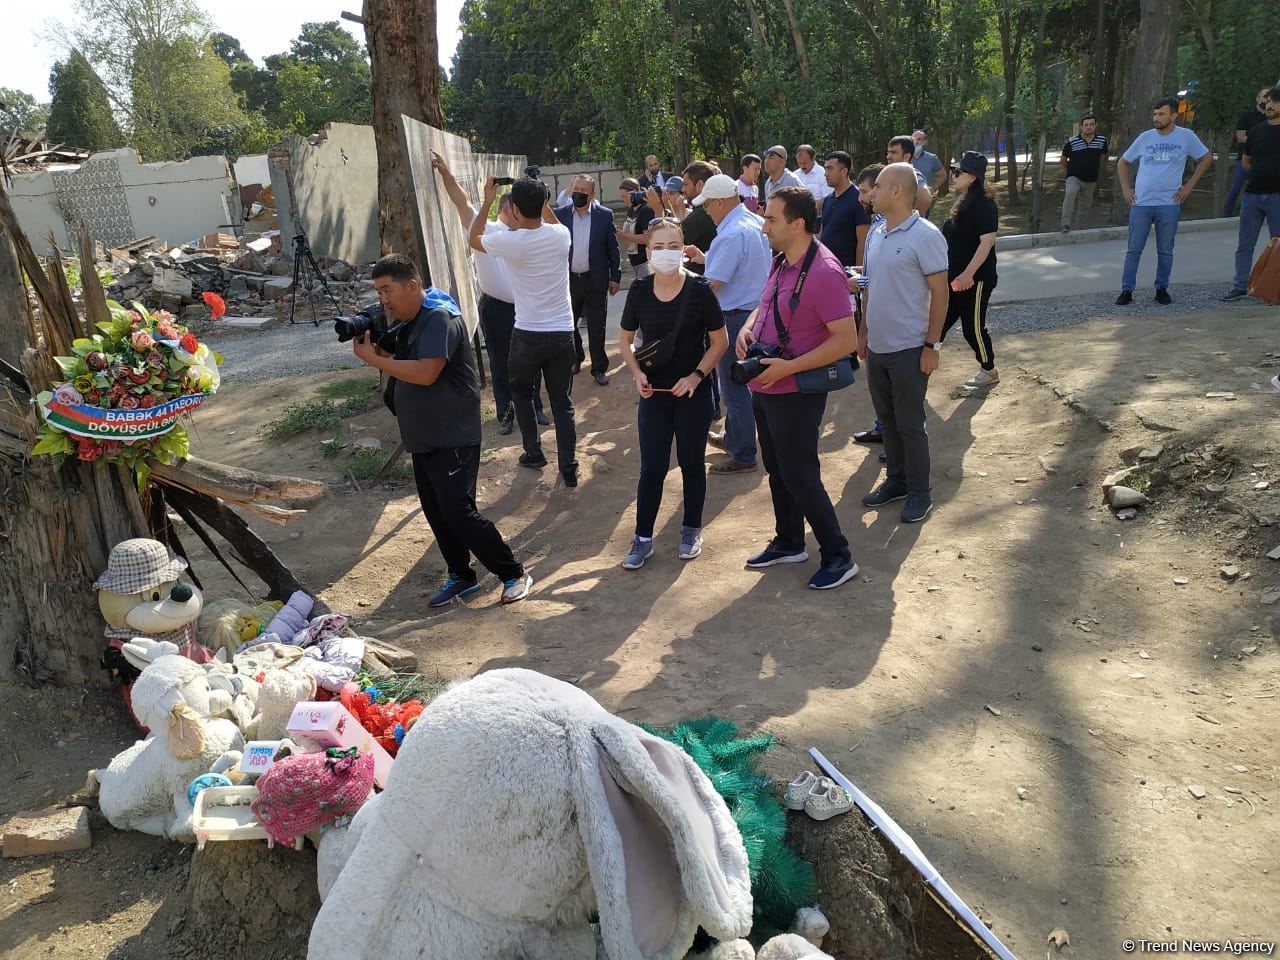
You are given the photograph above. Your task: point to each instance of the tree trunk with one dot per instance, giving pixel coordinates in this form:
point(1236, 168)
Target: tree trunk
point(405, 61)
point(1010, 27)
point(1094, 102)
point(678, 106)
point(1037, 176)
point(1148, 68)
point(797, 37)
point(14, 337)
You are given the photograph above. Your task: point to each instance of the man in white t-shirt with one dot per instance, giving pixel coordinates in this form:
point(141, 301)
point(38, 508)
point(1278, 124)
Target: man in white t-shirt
point(1161, 154)
point(497, 300)
point(536, 255)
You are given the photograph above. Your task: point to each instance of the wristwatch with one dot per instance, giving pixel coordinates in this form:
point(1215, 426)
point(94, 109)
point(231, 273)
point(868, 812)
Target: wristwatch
point(697, 372)
point(935, 347)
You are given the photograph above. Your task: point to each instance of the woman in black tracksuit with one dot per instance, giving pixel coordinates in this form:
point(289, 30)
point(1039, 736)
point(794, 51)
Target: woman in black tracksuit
point(971, 254)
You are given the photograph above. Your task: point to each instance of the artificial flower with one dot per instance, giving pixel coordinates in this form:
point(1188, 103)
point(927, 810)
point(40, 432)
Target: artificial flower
point(189, 343)
point(141, 341)
point(94, 397)
point(130, 402)
point(217, 306)
point(67, 394)
point(155, 358)
point(88, 450)
point(97, 360)
point(83, 383)
point(137, 376)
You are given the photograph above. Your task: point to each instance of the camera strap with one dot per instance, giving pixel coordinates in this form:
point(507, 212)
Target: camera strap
point(784, 338)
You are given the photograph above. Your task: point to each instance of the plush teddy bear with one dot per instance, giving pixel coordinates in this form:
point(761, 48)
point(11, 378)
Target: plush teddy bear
point(145, 787)
point(516, 809)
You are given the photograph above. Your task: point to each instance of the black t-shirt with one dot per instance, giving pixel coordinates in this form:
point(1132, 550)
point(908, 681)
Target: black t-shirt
point(447, 413)
point(643, 214)
point(1085, 157)
point(841, 217)
point(655, 319)
point(699, 230)
point(964, 233)
point(1247, 120)
point(1262, 147)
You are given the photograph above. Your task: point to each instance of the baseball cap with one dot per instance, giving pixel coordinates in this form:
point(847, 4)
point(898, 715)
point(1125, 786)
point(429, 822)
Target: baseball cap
point(720, 187)
point(673, 184)
point(779, 150)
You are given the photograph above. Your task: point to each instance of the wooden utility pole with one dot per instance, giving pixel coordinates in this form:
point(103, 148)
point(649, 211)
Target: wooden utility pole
point(404, 57)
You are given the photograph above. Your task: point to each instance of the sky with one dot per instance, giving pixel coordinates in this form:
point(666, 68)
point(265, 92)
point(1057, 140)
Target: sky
point(262, 29)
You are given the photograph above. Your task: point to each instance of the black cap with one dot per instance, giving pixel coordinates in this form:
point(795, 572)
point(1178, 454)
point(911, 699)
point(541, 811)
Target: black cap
point(974, 163)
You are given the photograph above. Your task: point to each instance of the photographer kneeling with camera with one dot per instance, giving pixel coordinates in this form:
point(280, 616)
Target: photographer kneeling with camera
point(791, 352)
point(434, 392)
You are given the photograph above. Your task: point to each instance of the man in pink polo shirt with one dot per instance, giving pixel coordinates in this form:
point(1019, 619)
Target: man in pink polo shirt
point(808, 294)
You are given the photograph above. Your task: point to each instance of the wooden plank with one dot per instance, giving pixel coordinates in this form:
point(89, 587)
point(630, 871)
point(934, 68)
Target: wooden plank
point(236, 484)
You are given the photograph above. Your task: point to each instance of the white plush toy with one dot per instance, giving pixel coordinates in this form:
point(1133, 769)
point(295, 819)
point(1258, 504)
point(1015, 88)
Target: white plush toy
point(516, 809)
point(145, 787)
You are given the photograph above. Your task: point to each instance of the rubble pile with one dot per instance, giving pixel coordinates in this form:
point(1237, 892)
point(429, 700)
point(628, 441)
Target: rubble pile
point(252, 283)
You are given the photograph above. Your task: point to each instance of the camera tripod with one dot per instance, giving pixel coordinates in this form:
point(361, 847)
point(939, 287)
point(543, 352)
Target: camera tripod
point(304, 268)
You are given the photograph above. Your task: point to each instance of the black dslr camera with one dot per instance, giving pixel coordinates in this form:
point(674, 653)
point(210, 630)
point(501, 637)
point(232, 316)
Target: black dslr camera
point(373, 321)
point(749, 367)
point(533, 171)
point(637, 197)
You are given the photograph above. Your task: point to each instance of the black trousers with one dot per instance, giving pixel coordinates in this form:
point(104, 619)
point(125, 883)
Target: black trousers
point(897, 392)
point(660, 419)
point(593, 305)
point(549, 356)
point(969, 309)
point(498, 318)
point(446, 480)
point(788, 425)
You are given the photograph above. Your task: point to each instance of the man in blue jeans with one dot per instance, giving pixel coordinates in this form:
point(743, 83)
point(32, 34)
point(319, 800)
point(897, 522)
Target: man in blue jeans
point(737, 264)
point(1261, 158)
point(1161, 154)
point(1246, 121)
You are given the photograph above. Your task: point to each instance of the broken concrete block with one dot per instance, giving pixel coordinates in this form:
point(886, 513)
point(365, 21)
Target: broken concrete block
point(341, 272)
point(52, 830)
point(277, 289)
point(171, 282)
point(1119, 477)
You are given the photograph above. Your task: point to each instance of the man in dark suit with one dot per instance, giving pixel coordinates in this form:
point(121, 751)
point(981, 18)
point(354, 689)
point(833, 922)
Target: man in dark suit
point(595, 270)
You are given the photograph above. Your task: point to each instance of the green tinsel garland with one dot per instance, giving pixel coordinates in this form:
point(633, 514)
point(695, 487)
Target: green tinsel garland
point(781, 882)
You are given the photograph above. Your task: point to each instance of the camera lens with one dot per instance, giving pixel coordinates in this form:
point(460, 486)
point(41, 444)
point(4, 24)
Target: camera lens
point(348, 328)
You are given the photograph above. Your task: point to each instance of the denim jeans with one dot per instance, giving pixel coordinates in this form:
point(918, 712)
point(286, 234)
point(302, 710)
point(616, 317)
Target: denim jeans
point(1141, 219)
point(551, 356)
point(1238, 176)
point(660, 419)
point(1254, 208)
point(739, 417)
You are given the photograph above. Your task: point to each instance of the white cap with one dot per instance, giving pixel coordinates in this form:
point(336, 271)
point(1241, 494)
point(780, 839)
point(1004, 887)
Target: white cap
point(720, 187)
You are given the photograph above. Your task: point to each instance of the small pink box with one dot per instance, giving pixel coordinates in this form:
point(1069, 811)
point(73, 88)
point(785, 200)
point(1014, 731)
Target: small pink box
point(332, 725)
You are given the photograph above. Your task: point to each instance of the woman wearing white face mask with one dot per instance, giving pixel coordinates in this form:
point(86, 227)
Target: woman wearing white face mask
point(677, 315)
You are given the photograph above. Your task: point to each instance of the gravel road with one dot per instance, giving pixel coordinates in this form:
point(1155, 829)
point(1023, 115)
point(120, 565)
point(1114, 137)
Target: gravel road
point(291, 350)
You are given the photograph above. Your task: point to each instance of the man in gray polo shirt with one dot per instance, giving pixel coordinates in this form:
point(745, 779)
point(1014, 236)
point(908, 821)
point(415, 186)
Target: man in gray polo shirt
point(905, 307)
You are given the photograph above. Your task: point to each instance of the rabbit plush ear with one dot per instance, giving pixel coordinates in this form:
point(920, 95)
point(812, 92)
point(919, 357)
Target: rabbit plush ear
point(664, 854)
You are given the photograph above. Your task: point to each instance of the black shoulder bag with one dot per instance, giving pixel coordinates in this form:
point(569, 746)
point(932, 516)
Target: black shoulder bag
point(655, 356)
point(834, 376)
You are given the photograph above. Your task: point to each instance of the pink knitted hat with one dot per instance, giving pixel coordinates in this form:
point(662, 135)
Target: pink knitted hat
point(300, 793)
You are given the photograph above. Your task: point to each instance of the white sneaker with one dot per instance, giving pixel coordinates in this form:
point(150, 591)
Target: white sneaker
point(798, 791)
point(827, 800)
point(983, 378)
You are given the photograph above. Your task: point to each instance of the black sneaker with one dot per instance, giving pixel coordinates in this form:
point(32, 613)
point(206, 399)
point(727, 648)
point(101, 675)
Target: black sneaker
point(570, 476)
point(1125, 298)
point(884, 494)
point(542, 418)
point(831, 575)
point(505, 426)
point(534, 461)
point(771, 556)
point(1162, 296)
point(916, 509)
point(600, 379)
point(1235, 293)
point(868, 436)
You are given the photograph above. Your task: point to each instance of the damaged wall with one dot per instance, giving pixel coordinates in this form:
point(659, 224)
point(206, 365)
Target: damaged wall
point(122, 199)
point(327, 186)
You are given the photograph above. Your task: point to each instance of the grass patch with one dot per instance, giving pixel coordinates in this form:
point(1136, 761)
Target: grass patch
point(364, 465)
point(333, 403)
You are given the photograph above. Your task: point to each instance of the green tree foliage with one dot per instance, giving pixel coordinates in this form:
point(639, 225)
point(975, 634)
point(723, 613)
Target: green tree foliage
point(80, 112)
point(20, 112)
point(323, 78)
point(229, 49)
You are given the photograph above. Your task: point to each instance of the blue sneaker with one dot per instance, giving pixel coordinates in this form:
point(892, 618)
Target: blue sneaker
point(885, 493)
point(916, 508)
point(831, 575)
point(641, 550)
point(773, 555)
point(454, 588)
point(513, 591)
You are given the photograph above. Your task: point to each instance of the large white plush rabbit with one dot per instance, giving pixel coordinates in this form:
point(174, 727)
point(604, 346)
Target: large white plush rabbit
point(145, 787)
point(518, 808)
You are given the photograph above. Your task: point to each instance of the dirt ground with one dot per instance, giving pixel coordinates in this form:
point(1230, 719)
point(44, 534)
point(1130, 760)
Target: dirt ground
point(1023, 639)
